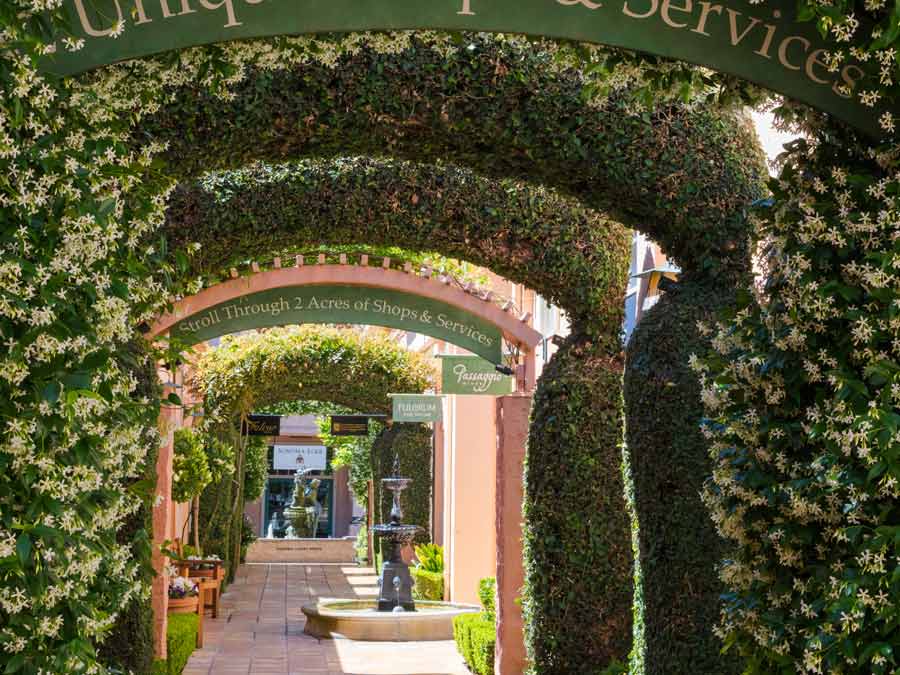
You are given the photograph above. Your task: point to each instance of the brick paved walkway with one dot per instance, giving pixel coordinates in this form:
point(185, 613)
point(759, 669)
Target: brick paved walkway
point(260, 629)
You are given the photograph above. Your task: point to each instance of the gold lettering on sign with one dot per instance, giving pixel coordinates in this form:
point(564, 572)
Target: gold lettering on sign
point(847, 75)
point(654, 4)
point(764, 50)
point(586, 3)
point(229, 9)
point(667, 7)
point(466, 8)
point(815, 60)
point(732, 24)
point(783, 47)
point(167, 13)
point(86, 23)
point(705, 9)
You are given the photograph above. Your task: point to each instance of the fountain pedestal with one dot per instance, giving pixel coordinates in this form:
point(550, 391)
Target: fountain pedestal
point(396, 585)
point(396, 581)
point(393, 617)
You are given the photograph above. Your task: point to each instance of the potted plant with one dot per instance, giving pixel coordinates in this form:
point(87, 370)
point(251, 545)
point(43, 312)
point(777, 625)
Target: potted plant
point(184, 595)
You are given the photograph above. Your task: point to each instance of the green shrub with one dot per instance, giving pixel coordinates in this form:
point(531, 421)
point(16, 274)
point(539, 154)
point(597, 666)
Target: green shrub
point(679, 548)
point(476, 636)
point(430, 557)
point(362, 545)
point(487, 594)
point(256, 468)
point(577, 531)
point(248, 536)
point(191, 472)
point(181, 640)
point(428, 585)
point(215, 517)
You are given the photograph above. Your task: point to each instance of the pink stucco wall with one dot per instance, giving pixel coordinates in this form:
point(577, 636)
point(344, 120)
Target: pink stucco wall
point(469, 494)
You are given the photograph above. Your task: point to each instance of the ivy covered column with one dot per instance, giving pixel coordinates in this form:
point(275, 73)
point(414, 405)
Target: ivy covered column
point(578, 562)
point(669, 456)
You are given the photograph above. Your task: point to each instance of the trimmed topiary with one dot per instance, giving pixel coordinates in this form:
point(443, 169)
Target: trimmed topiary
point(476, 637)
point(501, 107)
point(181, 641)
point(578, 559)
point(487, 595)
point(669, 457)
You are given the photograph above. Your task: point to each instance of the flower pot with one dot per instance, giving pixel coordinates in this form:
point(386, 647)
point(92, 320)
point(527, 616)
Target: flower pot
point(186, 605)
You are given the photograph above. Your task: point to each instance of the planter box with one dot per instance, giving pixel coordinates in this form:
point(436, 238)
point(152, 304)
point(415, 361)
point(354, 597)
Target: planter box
point(186, 605)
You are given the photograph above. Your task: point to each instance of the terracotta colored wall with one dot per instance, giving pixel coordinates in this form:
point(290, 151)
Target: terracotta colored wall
point(469, 470)
point(512, 435)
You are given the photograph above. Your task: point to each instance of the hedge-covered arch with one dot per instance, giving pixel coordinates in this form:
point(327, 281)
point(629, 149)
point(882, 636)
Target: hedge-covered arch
point(309, 363)
point(535, 235)
point(527, 233)
point(682, 174)
point(315, 363)
point(142, 206)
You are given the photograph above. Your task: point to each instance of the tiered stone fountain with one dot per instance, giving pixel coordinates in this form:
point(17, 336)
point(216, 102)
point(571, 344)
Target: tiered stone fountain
point(394, 616)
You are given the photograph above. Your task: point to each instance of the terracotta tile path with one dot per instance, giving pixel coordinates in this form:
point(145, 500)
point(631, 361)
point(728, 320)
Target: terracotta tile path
point(260, 629)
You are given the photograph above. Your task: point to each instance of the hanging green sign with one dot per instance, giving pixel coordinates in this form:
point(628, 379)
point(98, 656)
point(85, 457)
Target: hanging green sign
point(473, 375)
point(762, 43)
point(417, 407)
point(344, 305)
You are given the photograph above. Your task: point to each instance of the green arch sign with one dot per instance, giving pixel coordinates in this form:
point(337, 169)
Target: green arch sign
point(760, 43)
point(339, 304)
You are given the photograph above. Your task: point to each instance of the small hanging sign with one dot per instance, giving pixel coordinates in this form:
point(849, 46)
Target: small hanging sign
point(294, 457)
point(473, 375)
point(349, 425)
point(261, 425)
point(417, 407)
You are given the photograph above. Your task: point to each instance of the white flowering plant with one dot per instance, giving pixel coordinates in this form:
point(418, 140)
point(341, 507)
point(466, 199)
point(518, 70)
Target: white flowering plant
point(801, 391)
point(182, 587)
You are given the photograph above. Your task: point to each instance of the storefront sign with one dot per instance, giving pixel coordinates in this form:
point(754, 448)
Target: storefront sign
point(417, 407)
point(292, 457)
point(473, 375)
point(344, 304)
point(762, 43)
point(349, 425)
point(261, 425)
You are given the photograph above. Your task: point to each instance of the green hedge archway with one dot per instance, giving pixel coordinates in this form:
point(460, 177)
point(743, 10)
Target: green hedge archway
point(160, 82)
point(314, 363)
point(527, 233)
point(569, 253)
point(311, 363)
point(682, 174)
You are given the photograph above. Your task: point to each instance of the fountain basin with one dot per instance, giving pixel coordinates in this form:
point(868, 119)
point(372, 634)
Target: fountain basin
point(359, 620)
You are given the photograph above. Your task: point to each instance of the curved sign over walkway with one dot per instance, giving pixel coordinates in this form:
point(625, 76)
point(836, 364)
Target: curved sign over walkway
point(760, 43)
point(348, 294)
